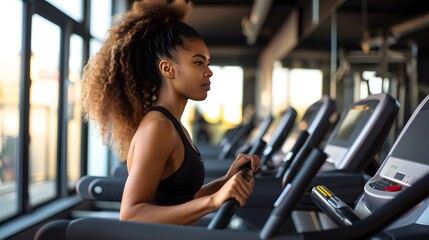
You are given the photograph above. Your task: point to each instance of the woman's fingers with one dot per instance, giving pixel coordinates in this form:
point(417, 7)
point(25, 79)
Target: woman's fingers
point(237, 187)
point(255, 162)
point(244, 158)
point(241, 189)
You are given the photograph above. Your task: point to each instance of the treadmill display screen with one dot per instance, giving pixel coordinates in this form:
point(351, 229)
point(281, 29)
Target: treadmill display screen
point(399, 176)
point(414, 144)
point(354, 122)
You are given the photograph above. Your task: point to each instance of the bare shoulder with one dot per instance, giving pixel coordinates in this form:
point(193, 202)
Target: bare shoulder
point(156, 121)
point(156, 127)
point(154, 140)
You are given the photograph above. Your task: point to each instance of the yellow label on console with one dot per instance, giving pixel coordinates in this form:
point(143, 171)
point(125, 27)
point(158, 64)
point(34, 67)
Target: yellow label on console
point(323, 191)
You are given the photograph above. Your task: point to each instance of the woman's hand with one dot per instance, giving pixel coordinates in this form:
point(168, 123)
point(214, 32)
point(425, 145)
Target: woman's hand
point(240, 161)
point(236, 187)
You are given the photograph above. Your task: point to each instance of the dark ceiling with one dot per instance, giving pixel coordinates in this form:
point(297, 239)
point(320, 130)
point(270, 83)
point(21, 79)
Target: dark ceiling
point(220, 23)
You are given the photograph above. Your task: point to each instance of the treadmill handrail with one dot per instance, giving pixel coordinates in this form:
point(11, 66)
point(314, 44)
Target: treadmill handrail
point(290, 156)
point(228, 208)
point(380, 218)
point(292, 193)
point(282, 130)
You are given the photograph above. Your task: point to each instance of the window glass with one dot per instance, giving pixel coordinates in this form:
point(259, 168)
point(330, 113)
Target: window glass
point(279, 97)
point(101, 18)
point(97, 152)
point(74, 119)
point(43, 109)
point(72, 8)
point(373, 84)
point(291, 88)
point(230, 83)
point(301, 96)
point(10, 57)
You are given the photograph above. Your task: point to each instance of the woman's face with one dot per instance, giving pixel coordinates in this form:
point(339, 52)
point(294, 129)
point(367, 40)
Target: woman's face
point(192, 72)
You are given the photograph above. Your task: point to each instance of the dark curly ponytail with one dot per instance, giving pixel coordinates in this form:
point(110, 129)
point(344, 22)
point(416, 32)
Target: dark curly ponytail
point(122, 81)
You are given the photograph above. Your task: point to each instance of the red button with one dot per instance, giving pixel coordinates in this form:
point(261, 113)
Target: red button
point(393, 188)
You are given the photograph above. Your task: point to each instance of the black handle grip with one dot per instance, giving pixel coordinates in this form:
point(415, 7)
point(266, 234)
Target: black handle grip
point(333, 206)
point(227, 210)
point(290, 156)
point(292, 193)
point(380, 218)
point(296, 165)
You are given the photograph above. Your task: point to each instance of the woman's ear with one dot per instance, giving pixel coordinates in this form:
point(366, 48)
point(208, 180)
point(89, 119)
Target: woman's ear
point(166, 69)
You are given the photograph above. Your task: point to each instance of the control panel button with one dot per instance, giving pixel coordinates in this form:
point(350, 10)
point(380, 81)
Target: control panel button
point(393, 188)
point(381, 184)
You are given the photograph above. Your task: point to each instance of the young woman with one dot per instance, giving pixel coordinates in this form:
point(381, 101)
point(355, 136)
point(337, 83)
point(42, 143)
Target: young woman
point(135, 90)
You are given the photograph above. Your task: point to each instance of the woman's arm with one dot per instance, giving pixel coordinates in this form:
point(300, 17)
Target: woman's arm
point(153, 146)
point(149, 164)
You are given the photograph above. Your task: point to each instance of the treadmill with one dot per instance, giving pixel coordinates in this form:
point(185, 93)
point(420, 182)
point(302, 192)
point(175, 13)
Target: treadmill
point(316, 122)
point(356, 138)
point(351, 148)
point(400, 214)
point(406, 163)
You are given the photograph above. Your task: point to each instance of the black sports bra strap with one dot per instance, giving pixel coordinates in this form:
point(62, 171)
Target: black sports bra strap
point(177, 125)
point(173, 120)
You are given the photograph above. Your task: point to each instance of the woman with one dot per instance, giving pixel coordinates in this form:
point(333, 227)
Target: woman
point(136, 89)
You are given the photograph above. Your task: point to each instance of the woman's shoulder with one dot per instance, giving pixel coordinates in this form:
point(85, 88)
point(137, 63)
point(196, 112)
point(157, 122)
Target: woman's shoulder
point(155, 119)
point(154, 133)
point(157, 124)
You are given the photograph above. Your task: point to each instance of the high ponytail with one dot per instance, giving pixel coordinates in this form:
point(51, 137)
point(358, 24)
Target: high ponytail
point(162, 10)
point(122, 81)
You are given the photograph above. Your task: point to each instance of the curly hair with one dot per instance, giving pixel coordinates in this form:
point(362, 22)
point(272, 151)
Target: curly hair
point(122, 81)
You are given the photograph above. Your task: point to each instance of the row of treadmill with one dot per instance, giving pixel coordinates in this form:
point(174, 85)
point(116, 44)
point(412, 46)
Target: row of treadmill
point(322, 177)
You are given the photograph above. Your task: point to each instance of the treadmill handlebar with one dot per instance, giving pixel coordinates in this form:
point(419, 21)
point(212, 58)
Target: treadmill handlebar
point(228, 208)
point(333, 206)
point(292, 193)
point(381, 218)
point(296, 165)
point(290, 156)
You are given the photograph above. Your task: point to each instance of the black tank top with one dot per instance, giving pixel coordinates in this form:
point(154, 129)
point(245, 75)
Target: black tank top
point(183, 184)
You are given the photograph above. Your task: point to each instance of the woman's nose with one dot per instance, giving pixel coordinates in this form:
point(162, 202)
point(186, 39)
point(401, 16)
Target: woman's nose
point(209, 72)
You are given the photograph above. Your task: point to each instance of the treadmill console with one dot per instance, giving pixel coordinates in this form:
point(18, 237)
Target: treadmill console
point(406, 163)
point(353, 137)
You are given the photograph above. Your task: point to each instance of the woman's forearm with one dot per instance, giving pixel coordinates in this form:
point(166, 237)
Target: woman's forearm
point(182, 214)
point(211, 187)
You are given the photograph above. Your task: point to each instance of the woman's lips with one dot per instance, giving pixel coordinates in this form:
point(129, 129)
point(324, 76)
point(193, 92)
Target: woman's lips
point(206, 86)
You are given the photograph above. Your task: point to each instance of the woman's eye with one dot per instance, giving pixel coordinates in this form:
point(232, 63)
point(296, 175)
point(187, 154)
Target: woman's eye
point(199, 63)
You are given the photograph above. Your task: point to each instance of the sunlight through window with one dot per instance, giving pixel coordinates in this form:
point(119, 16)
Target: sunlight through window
point(223, 106)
